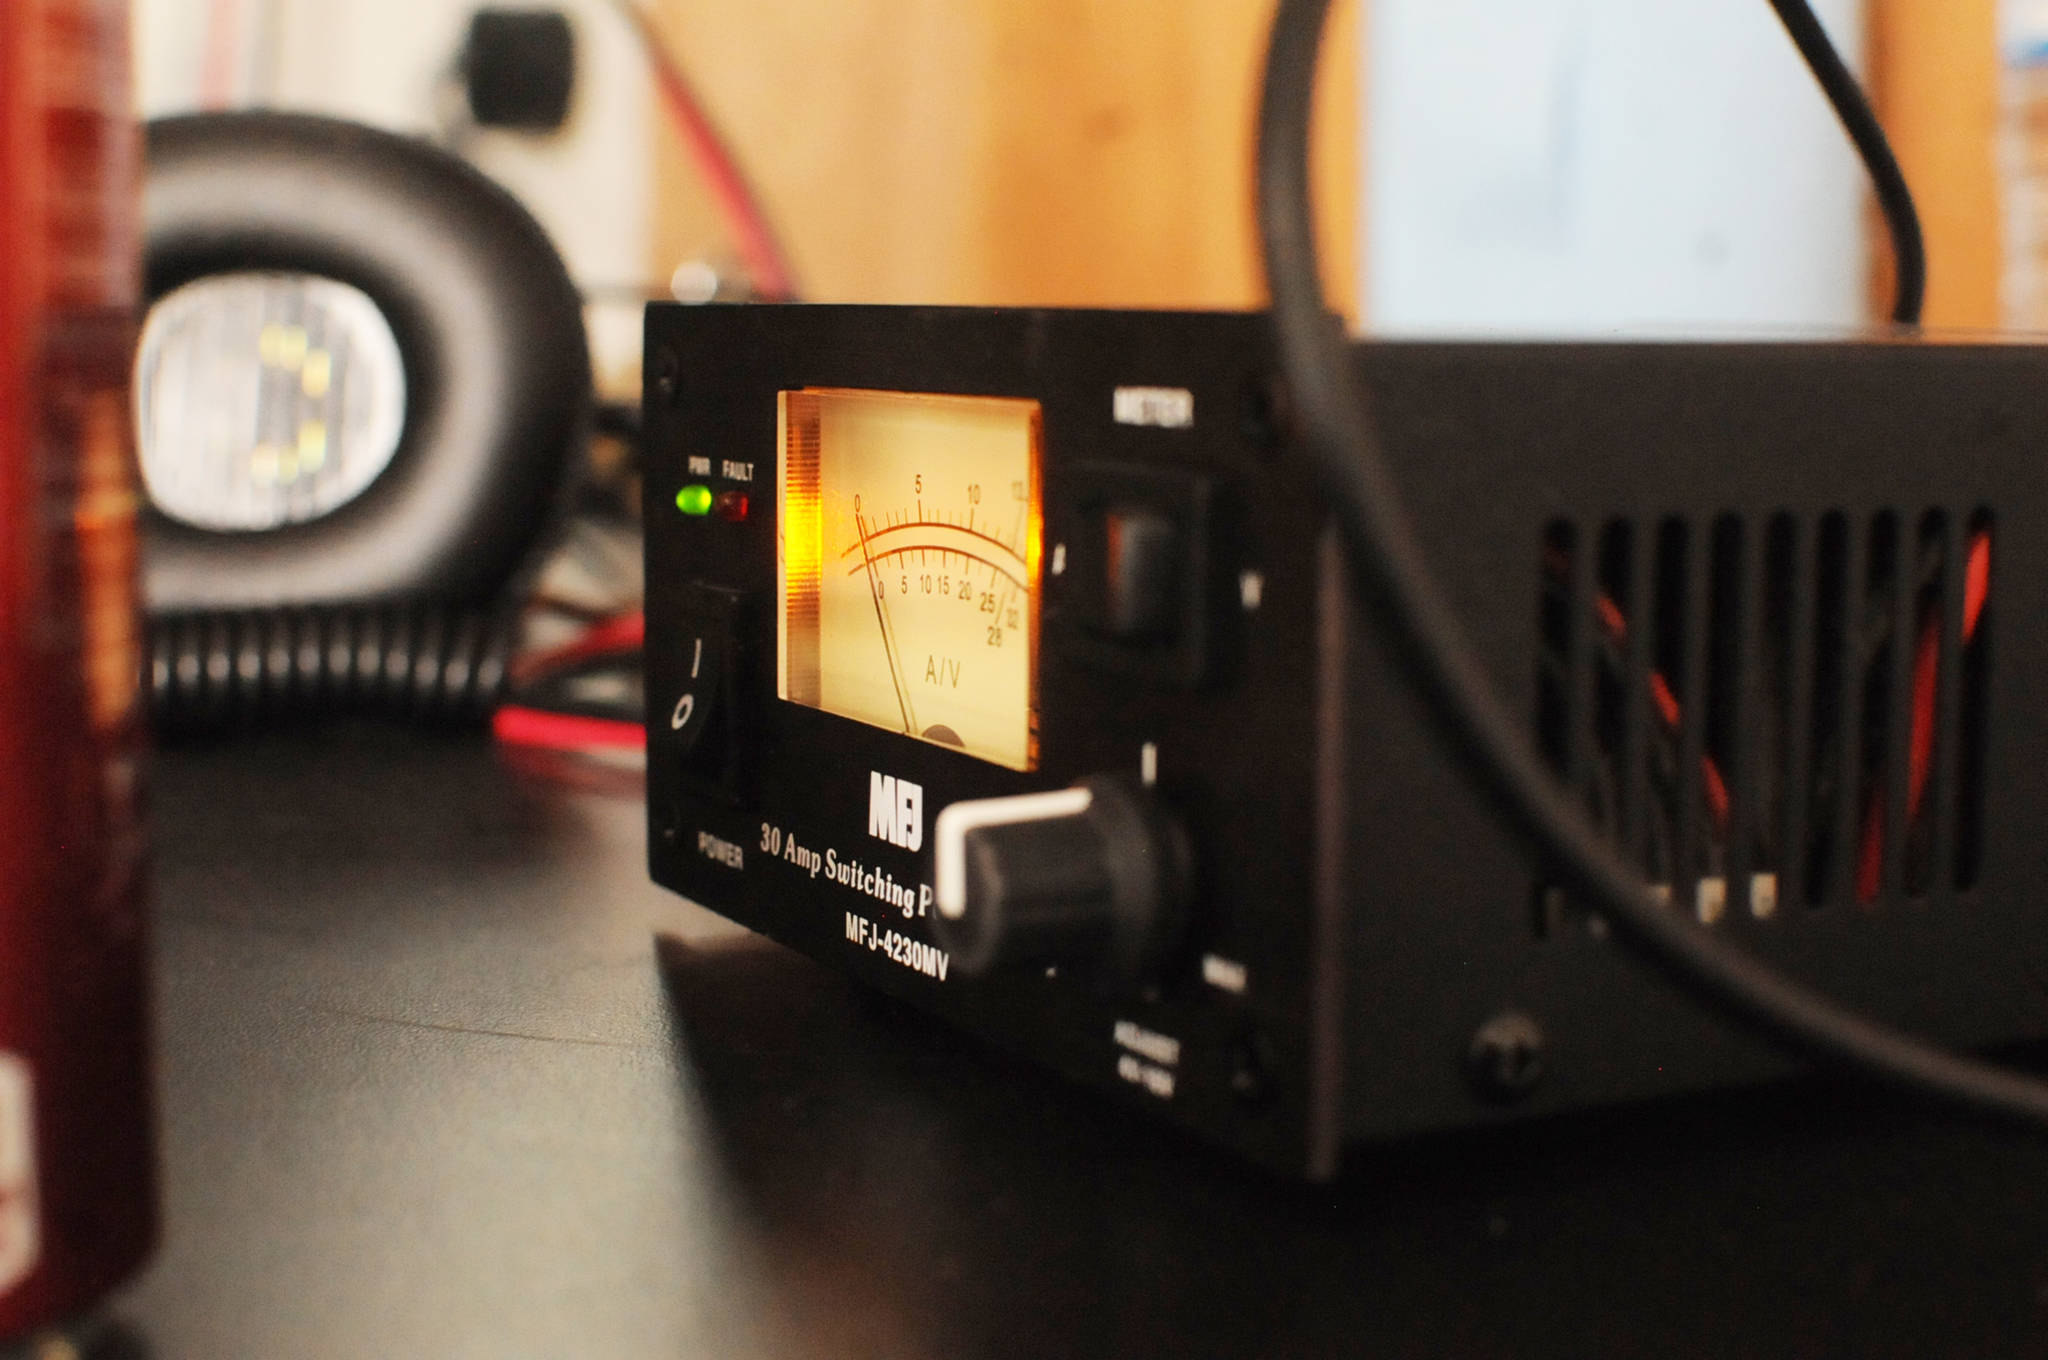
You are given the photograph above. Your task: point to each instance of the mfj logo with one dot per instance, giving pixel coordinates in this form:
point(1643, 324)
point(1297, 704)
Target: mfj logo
point(896, 811)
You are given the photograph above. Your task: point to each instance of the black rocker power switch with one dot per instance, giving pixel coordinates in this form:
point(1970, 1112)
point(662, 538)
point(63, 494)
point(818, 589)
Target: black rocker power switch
point(1094, 876)
point(697, 726)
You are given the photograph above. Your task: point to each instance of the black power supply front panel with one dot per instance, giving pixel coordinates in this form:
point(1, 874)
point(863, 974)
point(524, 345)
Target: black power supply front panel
point(1770, 607)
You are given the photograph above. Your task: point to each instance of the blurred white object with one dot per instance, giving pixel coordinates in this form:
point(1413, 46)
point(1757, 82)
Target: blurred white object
point(265, 399)
point(695, 281)
point(1587, 167)
point(2023, 161)
point(385, 62)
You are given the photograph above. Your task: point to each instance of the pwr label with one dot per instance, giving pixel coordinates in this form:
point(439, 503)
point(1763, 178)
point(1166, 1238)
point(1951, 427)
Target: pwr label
point(897, 947)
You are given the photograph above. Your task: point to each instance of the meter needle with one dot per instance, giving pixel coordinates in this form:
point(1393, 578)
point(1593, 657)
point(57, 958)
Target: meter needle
point(888, 632)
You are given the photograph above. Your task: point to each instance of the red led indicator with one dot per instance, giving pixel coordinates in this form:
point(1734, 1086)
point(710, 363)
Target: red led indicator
point(731, 506)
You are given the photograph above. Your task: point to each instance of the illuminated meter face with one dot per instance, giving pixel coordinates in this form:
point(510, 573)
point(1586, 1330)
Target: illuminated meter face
point(264, 400)
point(908, 569)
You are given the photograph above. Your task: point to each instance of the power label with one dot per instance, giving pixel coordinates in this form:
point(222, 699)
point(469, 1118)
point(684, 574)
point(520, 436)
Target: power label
point(20, 1214)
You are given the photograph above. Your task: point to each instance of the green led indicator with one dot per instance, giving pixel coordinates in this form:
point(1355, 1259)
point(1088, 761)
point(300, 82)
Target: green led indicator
point(694, 500)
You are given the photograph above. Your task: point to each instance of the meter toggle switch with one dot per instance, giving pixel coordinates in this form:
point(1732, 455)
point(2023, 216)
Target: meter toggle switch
point(1142, 570)
point(1134, 595)
point(1094, 875)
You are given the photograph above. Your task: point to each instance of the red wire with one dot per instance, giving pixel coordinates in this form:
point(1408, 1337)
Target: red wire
point(1920, 748)
point(1717, 792)
point(1920, 744)
point(1976, 582)
point(1716, 787)
point(1666, 701)
point(618, 634)
point(539, 728)
point(766, 265)
point(1870, 850)
point(516, 725)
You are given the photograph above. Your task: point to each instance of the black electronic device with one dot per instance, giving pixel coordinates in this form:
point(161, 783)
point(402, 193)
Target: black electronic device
point(1006, 660)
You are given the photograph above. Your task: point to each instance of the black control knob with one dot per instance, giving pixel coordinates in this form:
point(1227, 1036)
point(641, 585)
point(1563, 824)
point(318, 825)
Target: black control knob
point(1095, 875)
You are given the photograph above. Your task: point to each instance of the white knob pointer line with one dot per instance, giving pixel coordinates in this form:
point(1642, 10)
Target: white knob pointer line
point(950, 835)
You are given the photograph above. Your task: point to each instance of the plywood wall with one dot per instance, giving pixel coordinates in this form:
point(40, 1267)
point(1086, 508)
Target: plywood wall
point(1934, 73)
point(1057, 152)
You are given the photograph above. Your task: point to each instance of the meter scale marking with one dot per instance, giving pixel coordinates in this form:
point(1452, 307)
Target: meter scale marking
point(871, 537)
point(881, 540)
point(930, 507)
point(1004, 579)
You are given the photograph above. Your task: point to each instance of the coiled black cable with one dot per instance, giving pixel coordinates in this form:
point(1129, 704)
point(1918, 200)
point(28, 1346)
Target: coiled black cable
point(428, 663)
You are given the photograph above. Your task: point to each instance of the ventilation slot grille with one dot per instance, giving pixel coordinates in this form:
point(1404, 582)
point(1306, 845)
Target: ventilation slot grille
point(1770, 714)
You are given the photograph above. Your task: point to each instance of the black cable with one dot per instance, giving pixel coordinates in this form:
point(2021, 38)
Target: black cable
point(222, 670)
point(1391, 578)
point(1894, 199)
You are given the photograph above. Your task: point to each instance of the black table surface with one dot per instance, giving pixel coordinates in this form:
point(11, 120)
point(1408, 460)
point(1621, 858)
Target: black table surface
point(443, 1075)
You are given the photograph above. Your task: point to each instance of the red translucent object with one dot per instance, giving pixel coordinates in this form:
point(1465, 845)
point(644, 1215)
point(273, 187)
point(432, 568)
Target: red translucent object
point(77, 1195)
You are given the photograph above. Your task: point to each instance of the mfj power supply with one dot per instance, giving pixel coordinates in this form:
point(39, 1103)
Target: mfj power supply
point(1005, 659)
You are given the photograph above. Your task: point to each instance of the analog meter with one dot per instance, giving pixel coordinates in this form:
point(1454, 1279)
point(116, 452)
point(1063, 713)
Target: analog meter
point(909, 562)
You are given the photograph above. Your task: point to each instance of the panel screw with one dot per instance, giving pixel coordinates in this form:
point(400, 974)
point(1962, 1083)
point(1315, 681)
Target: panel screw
point(1506, 1060)
point(1268, 418)
point(668, 375)
point(1251, 1071)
